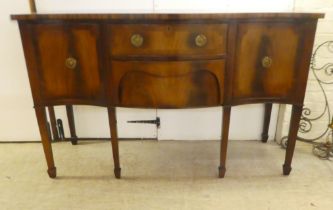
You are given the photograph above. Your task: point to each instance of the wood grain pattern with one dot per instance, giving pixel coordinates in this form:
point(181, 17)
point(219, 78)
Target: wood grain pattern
point(255, 41)
point(167, 39)
point(56, 43)
point(174, 84)
point(168, 70)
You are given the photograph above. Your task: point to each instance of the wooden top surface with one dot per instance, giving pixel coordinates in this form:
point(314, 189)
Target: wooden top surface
point(154, 16)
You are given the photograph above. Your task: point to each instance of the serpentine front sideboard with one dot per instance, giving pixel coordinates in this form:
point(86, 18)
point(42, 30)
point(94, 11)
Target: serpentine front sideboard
point(168, 61)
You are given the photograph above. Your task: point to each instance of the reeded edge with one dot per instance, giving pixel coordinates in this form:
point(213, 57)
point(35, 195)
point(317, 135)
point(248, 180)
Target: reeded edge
point(165, 16)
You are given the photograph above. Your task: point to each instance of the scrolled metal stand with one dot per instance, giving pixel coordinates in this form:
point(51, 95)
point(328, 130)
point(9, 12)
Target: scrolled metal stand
point(324, 76)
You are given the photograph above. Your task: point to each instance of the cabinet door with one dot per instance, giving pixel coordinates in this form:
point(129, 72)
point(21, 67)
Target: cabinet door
point(69, 67)
point(266, 56)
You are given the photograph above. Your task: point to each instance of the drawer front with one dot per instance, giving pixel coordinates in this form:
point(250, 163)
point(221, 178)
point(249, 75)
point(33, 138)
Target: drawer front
point(167, 39)
point(68, 67)
point(266, 59)
point(174, 84)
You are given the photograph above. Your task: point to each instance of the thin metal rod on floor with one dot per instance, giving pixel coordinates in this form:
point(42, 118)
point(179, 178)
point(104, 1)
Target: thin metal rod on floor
point(33, 8)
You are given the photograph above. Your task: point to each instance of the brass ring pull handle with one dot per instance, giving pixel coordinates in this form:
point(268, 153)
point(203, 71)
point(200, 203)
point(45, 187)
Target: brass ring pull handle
point(137, 40)
point(266, 62)
point(71, 63)
point(200, 40)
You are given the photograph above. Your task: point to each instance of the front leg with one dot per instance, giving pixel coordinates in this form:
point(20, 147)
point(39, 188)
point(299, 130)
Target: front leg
point(46, 141)
point(224, 140)
point(114, 141)
point(293, 129)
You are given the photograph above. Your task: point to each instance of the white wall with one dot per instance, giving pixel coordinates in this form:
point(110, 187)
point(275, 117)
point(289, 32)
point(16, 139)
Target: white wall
point(185, 6)
point(91, 6)
point(17, 119)
point(205, 124)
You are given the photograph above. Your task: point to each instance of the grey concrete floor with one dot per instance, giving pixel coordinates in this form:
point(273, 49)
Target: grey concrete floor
point(163, 175)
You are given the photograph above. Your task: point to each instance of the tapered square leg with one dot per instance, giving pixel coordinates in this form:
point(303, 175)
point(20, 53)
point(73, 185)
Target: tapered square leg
point(114, 141)
point(117, 172)
point(52, 172)
point(46, 141)
point(293, 129)
point(71, 123)
point(267, 119)
point(286, 169)
point(224, 140)
point(222, 171)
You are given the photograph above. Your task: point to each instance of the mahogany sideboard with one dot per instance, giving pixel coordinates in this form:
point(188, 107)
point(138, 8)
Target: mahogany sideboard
point(167, 61)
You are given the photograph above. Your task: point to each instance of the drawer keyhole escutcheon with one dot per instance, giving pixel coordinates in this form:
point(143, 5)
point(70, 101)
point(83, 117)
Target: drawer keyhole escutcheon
point(266, 62)
point(137, 40)
point(200, 40)
point(71, 63)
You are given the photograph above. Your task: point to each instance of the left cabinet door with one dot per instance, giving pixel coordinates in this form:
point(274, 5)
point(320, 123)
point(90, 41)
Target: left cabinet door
point(68, 57)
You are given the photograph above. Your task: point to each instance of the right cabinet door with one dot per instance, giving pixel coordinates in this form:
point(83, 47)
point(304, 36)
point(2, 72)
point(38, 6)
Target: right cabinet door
point(266, 56)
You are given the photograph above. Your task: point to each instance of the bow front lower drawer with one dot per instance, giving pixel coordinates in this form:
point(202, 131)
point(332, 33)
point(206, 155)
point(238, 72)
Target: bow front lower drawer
point(167, 39)
point(172, 84)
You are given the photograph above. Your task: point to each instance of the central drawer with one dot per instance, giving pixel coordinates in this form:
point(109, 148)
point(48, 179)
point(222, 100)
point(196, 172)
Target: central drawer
point(172, 84)
point(167, 39)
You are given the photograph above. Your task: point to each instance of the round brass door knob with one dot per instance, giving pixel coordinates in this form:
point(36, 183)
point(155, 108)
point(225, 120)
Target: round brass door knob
point(266, 62)
point(71, 63)
point(200, 40)
point(137, 40)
